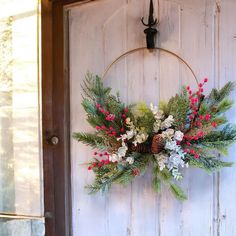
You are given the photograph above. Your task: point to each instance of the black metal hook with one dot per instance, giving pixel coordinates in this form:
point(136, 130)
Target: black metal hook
point(150, 31)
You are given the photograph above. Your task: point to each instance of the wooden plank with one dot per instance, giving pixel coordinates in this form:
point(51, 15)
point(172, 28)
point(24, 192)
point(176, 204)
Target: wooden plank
point(115, 43)
point(197, 21)
point(97, 208)
point(141, 77)
point(227, 72)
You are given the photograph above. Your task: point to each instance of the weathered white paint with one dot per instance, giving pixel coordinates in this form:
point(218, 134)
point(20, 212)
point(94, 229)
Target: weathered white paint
point(203, 32)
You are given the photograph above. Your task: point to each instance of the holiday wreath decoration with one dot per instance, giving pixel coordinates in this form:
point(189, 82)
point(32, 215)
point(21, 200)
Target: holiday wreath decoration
point(188, 130)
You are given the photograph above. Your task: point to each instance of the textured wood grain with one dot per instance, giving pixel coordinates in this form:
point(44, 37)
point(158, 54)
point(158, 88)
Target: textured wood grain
point(195, 29)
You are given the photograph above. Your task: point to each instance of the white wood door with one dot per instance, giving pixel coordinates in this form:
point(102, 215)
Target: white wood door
point(204, 33)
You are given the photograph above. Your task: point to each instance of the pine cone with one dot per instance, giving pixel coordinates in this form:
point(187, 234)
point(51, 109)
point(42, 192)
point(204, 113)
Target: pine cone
point(141, 148)
point(158, 144)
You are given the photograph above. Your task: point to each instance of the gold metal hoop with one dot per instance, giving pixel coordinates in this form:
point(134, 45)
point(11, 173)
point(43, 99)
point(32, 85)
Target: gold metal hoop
point(144, 48)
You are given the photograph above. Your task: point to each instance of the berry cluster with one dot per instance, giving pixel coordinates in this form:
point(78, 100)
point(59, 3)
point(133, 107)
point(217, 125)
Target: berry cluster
point(195, 118)
point(100, 163)
point(110, 131)
point(109, 117)
point(195, 98)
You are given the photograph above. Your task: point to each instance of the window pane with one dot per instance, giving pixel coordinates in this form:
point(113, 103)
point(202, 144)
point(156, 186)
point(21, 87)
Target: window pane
point(20, 114)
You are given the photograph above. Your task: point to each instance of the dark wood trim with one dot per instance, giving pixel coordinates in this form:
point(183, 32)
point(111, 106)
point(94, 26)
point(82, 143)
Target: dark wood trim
point(55, 119)
point(47, 116)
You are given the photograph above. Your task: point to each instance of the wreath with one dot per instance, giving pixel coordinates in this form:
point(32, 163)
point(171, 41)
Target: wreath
point(188, 130)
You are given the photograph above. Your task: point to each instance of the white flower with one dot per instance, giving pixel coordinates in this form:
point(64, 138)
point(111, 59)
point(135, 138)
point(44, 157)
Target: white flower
point(159, 115)
point(157, 126)
point(122, 151)
point(130, 160)
point(127, 121)
point(130, 134)
point(168, 134)
point(171, 145)
point(122, 137)
point(114, 157)
point(176, 174)
point(161, 160)
point(167, 123)
point(178, 136)
point(140, 138)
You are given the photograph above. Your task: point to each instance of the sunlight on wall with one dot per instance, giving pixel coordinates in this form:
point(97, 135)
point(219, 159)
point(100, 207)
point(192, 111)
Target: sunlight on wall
point(20, 112)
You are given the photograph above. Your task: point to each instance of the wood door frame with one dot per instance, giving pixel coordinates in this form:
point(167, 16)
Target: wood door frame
point(55, 119)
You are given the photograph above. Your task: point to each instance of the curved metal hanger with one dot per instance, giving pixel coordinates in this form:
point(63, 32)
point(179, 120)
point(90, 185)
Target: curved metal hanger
point(154, 49)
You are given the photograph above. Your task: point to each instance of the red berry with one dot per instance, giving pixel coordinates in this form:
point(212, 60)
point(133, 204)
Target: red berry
point(107, 112)
point(188, 88)
point(123, 116)
point(126, 110)
point(192, 152)
point(114, 133)
point(98, 106)
point(201, 117)
point(97, 127)
point(186, 150)
point(214, 124)
point(99, 164)
point(188, 143)
point(122, 130)
point(90, 168)
point(107, 162)
point(111, 128)
point(201, 134)
point(200, 85)
point(195, 113)
point(102, 110)
point(201, 90)
point(196, 156)
point(103, 127)
point(190, 117)
point(100, 155)
point(208, 117)
point(94, 164)
point(95, 153)
point(198, 123)
point(205, 80)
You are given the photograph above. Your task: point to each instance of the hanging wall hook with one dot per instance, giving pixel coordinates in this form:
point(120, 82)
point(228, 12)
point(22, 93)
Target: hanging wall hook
point(150, 31)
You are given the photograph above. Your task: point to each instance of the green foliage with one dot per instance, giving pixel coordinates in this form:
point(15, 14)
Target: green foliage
point(178, 192)
point(165, 176)
point(92, 140)
point(209, 164)
point(156, 183)
point(94, 90)
point(144, 118)
point(178, 107)
point(118, 173)
point(217, 102)
point(219, 140)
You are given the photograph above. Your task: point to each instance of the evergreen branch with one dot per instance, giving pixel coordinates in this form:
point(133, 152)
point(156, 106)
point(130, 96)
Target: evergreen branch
point(209, 164)
point(219, 140)
point(92, 140)
point(120, 173)
point(178, 192)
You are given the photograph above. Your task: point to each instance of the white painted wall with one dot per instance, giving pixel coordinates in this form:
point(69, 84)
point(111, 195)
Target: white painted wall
point(204, 33)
